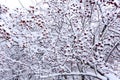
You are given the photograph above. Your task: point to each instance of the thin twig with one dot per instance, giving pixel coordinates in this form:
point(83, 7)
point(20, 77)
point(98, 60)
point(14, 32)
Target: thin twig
point(111, 51)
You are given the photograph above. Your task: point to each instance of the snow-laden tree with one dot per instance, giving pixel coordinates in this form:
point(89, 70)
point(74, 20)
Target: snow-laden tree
point(65, 40)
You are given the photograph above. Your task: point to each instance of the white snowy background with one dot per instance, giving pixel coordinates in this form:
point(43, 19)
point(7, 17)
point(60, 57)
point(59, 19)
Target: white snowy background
point(12, 4)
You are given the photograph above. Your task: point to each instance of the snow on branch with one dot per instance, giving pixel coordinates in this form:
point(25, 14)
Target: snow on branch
point(115, 31)
point(76, 73)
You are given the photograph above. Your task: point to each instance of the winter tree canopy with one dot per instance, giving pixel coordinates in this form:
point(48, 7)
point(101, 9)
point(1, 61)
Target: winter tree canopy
point(61, 40)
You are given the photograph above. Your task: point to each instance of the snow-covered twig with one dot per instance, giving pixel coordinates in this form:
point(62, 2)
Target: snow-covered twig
point(115, 31)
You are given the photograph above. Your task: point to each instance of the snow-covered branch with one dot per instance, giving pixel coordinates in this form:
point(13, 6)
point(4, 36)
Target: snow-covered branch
point(75, 74)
